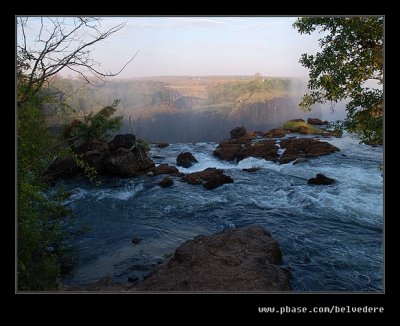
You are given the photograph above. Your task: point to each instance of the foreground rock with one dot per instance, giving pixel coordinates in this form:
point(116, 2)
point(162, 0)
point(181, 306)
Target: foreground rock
point(304, 147)
point(241, 259)
point(210, 178)
point(186, 160)
point(320, 179)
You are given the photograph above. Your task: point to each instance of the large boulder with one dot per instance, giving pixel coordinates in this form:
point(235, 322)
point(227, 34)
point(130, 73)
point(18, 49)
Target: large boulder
point(94, 153)
point(240, 259)
point(122, 141)
point(186, 160)
point(229, 150)
point(119, 158)
point(238, 132)
point(239, 149)
point(316, 122)
point(210, 178)
point(128, 163)
point(320, 179)
point(265, 149)
point(304, 147)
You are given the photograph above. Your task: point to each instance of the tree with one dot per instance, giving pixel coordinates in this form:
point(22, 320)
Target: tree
point(349, 66)
point(59, 44)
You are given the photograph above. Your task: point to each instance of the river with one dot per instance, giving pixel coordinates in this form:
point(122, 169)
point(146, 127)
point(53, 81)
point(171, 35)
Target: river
point(331, 236)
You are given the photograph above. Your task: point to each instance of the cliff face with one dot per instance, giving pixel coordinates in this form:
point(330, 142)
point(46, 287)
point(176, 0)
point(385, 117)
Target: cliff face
point(273, 113)
point(191, 125)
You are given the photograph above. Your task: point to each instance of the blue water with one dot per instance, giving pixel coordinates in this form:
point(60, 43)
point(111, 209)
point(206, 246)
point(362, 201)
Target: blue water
point(331, 236)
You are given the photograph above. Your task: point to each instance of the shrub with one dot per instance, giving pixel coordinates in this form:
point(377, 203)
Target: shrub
point(98, 126)
point(304, 127)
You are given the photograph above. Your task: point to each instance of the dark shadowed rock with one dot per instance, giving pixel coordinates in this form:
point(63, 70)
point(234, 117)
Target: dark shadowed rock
point(133, 279)
point(122, 141)
point(211, 178)
point(320, 179)
point(115, 158)
point(162, 145)
point(251, 170)
point(304, 147)
point(185, 159)
point(216, 181)
point(93, 153)
point(166, 182)
point(136, 239)
point(276, 133)
point(164, 169)
point(93, 145)
point(128, 163)
point(238, 132)
point(241, 259)
point(316, 122)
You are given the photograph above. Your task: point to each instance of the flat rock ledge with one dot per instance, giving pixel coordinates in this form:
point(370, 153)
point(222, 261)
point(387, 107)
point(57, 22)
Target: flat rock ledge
point(240, 259)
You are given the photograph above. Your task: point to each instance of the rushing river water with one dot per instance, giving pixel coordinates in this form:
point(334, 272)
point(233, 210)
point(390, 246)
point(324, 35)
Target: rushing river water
point(331, 236)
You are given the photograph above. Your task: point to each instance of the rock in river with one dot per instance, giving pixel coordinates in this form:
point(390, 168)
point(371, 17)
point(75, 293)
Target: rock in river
point(211, 178)
point(240, 259)
point(320, 179)
point(166, 182)
point(185, 159)
point(164, 169)
point(304, 147)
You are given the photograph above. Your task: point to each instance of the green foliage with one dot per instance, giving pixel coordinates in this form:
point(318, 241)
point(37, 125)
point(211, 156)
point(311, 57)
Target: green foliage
point(352, 54)
point(39, 214)
point(143, 145)
point(98, 126)
point(297, 126)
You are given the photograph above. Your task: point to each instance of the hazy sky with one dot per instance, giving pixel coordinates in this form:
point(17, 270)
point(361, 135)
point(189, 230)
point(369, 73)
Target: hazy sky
point(205, 46)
